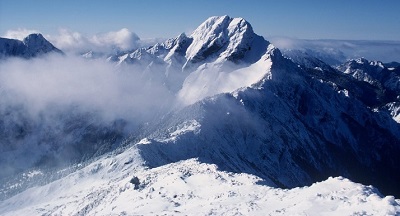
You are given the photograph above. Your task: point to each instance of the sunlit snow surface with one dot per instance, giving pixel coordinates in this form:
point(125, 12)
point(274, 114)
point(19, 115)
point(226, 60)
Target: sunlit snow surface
point(205, 82)
point(189, 188)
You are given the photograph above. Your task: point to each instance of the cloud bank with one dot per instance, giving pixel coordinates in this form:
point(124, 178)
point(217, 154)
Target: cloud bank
point(20, 33)
point(58, 109)
point(105, 42)
point(342, 50)
point(93, 85)
point(332, 51)
point(72, 41)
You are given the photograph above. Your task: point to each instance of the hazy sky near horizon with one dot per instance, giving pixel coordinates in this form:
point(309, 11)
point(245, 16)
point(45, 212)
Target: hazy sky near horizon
point(306, 19)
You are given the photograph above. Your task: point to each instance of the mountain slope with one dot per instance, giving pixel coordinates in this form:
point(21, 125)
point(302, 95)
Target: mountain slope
point(289, 128)
point(242, 110)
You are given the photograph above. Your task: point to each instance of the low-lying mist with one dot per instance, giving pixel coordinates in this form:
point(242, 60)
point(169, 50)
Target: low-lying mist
point(91, 85)
point(58, 109)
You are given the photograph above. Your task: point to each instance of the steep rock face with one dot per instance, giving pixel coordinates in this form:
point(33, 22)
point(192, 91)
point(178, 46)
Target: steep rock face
point(33, 45)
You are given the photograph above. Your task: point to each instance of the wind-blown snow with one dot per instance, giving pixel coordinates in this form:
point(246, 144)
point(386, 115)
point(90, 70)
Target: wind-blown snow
point(206, 81)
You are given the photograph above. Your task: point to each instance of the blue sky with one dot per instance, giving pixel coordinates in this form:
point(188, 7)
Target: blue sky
point(305, 19)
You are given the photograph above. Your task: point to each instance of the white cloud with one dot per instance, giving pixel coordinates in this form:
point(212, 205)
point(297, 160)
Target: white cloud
point(341, 50)
point(123, 39)
point(20, 33)
point(93, 85)
point(68, 40)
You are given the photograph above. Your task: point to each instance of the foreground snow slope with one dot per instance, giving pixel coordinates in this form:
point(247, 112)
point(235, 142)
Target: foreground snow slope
point(189, 187)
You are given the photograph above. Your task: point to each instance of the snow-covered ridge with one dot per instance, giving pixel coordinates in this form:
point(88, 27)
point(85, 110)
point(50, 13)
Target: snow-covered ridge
point(386, 79)
point(106, 187)
point(364, 70)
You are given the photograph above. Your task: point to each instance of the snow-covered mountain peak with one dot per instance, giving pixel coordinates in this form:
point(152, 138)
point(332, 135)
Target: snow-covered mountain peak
point(221, 44)
point(36, 43)
point(363, 62)
point(177, 46)
point(170, 43)
point(222, 38)
point(212, 25)
point(362, 66)
point(360, 60)
point(33, 45)
point(35, 38)
point(216, 24)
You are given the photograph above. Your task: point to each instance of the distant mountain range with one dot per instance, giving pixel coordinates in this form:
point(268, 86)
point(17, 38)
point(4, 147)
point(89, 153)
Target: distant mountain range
point(291, 119)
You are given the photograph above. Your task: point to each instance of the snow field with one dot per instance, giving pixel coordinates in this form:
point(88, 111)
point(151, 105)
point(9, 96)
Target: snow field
point(189, 188)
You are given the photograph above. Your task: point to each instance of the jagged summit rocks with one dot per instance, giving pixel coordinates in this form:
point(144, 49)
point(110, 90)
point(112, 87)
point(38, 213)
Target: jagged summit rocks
point(31, 46)
point(218, 39)
point(223, 38)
